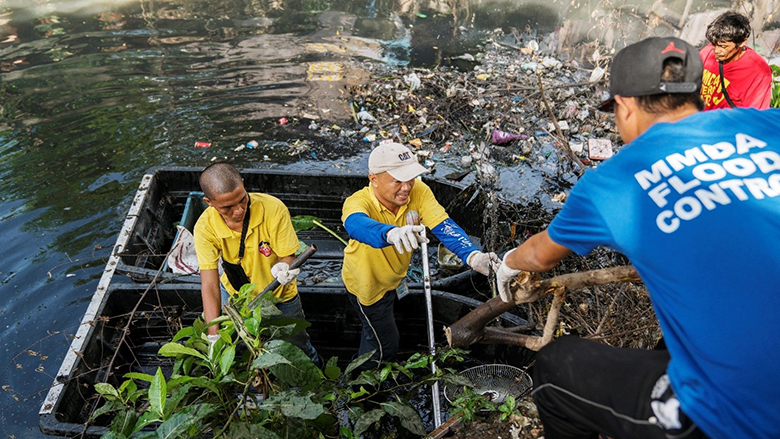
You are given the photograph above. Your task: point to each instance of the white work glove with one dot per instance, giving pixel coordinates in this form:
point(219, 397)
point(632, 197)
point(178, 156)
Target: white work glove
point(281, 271)
point(504, 275)
point(406, 237)
point(483, 262)
point(212, 340)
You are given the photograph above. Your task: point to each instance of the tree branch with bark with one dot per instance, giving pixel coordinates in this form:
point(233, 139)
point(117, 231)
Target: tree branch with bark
point(528, 287)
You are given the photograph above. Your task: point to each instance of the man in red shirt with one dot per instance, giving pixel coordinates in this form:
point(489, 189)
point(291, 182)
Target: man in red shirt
point(730, 64)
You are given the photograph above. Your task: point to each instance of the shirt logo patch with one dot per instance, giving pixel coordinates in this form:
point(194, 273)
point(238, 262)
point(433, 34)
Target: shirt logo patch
point(264, 248)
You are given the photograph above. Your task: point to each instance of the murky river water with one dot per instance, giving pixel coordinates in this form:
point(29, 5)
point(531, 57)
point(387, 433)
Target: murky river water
point(94, 93)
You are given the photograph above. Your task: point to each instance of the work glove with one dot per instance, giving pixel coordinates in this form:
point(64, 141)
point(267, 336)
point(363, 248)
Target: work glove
point(281, 271)
point(212, 340)
point(483, 262)
point(504, 275)
point(406, 237)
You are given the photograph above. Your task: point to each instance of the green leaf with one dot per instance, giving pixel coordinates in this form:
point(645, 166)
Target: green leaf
point(123, 422)
point(292, 405)
point(403, 370)
point(357, 362)
point(107, 390)
point(257, 313)
point(180, 422)
point(227, 358)
point(139, 376)
point(362, 380)
point(242, 430)
point(147, 418)
point(359, 393)
point(206, 383)
point(417, 361)
point(409, 418)
point(157, 391)
point(300, 371)
point(177, 395)
point(109, 406)
point(333, 372)
point(187, 331)
point(252, 325)
point(128, 387)
point(268, 359)
point(303, 222)
point(385, 372)
point(370, 376)
point(175, 349)
point(366, 420)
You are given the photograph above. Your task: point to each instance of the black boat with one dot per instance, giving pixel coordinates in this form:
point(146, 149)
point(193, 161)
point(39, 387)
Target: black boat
point(139, 301)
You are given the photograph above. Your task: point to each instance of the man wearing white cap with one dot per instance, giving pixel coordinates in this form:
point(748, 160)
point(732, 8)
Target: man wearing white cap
point(381, 242)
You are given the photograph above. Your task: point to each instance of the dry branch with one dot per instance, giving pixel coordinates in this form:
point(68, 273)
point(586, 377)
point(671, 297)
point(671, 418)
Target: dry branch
point(527, 287)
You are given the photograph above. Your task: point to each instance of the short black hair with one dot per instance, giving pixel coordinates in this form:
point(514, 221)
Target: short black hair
point(674, 71)
point(219, 178)
point(729, 26)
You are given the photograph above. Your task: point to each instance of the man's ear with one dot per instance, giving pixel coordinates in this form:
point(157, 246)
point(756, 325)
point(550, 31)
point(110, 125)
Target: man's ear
point(372, 179)
point(629, 105)
point(207, 201)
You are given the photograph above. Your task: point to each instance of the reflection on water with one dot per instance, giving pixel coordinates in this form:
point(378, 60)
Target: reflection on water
point(93, 93)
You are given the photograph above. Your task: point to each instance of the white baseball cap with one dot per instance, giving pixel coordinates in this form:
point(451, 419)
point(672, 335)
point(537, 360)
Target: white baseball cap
point(395, 159)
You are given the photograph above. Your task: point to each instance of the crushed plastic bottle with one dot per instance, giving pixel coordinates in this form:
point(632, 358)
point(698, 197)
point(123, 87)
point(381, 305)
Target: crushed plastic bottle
point(502, 137)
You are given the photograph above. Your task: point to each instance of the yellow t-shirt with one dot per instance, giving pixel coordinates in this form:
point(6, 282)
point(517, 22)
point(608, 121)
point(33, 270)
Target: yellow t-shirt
point(270, 235)
point(370, 272)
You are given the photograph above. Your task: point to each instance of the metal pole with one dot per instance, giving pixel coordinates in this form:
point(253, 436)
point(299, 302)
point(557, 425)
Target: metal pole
point(412, 218)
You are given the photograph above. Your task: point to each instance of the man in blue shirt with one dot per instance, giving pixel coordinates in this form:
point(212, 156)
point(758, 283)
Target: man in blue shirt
point(693, 200)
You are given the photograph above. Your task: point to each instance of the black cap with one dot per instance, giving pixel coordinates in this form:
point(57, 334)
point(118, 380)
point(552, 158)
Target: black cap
point(636, 70)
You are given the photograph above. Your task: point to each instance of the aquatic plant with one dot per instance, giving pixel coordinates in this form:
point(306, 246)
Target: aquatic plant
point(252, 383)
point(775, 86)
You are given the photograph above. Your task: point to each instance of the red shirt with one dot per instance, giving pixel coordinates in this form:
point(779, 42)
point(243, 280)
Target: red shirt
point(748, 81)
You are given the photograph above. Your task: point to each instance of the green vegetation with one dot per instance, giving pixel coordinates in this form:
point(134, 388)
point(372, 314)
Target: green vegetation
point(255, 384)
point(775, 86)
point(306, 222)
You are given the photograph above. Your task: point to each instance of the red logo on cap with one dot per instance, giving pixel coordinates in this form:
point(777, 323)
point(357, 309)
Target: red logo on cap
point(671, 47)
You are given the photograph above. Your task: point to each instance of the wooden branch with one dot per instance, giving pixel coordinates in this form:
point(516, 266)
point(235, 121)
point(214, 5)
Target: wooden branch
point(561, 138)
point(527, 287)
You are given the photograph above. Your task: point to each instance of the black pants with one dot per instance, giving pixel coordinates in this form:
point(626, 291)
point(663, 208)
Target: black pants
point(379, 332)
point(583, 389)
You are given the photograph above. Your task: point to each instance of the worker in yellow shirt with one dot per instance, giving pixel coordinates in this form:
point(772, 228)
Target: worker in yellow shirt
point(255, 238)
point(381, 243)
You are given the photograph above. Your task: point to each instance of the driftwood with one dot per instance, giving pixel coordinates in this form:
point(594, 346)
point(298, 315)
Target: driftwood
point(526, 288)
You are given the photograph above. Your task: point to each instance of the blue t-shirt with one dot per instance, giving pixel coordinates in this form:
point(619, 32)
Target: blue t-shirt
point(695, 206)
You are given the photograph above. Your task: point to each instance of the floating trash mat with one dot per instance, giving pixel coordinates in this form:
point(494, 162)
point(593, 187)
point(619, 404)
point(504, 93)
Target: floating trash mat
point(494, 381)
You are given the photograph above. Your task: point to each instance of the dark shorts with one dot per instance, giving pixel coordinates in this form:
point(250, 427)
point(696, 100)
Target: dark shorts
point(583, 389)
point(379, 332)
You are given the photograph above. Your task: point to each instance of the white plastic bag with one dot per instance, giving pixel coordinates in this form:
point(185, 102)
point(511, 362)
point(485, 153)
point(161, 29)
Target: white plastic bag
point(182, 259)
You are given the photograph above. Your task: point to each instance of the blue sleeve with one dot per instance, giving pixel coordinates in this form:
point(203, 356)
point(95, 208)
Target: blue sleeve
point(363, 229)
point(454, 238)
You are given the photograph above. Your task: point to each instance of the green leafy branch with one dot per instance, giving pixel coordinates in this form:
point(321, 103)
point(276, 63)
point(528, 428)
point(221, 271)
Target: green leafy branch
point(307, 222)
point(253, 383)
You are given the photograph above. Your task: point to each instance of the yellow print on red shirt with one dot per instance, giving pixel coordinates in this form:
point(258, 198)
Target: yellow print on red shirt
point(711, 93)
